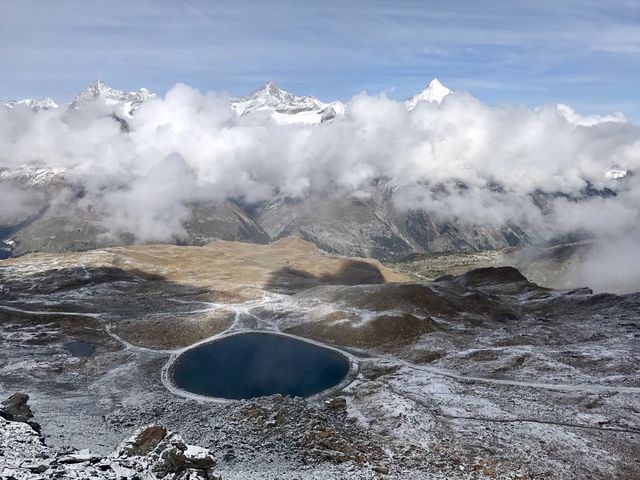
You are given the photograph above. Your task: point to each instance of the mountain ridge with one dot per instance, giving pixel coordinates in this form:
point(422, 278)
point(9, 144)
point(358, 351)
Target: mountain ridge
point(34, 104)
point(125, 102)
point(284, 107)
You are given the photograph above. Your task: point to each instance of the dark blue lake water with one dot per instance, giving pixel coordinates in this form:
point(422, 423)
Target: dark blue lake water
point(251, 365)
point(78, 348)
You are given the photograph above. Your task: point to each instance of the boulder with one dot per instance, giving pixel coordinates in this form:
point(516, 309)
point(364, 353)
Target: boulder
point(337, 404)
point(199, 458)
point(165, 453)
point(79, 457)
point(170, 460)
point(15, 408)
point(142, 441)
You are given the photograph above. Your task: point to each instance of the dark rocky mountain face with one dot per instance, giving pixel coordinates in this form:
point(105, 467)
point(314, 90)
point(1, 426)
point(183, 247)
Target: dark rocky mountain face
point(338, 223)
point(63, 219)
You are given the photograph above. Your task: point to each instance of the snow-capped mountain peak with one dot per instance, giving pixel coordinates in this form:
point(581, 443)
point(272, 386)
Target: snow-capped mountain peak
point(126, 102)
point(272, 97)
point(34, 104)
point(270, 89)
point(434, 92)
point(285, 107)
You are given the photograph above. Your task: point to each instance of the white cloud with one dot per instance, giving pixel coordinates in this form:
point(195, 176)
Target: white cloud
point(461, 160)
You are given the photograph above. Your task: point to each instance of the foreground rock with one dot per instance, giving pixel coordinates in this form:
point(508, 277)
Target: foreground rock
point(15, 408)
point(151, 452)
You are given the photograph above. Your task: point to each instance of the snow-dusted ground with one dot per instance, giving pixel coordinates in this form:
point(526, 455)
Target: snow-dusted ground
point(509, 380)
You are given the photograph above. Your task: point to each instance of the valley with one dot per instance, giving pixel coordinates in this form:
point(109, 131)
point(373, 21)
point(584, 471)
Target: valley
point(477, 374)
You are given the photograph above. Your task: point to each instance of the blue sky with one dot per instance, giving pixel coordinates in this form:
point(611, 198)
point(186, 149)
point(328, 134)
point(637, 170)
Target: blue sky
point(585, 53)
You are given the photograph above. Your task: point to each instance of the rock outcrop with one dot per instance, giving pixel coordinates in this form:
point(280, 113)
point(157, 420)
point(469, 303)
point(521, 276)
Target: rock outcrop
point(151, 452)
point(15, 409)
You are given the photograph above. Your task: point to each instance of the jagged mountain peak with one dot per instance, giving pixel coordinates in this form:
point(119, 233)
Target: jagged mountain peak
point(285, 106)
point(269, 88)
point(272, 90)
point(100, 91)
point(435, 83)
point(98, 88)
point(434, 92)
point(99, 84)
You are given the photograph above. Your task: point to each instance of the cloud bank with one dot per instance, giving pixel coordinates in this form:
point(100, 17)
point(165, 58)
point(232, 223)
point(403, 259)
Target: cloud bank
point(461, 160)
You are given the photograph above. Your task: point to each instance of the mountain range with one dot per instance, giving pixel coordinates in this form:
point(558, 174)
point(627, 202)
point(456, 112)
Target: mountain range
point(284, 107)
point(370, 226)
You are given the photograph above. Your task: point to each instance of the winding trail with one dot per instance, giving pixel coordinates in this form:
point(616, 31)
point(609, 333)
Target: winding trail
point(438, 413)
point(566, 387)
point(53, 312)
point(273, 300)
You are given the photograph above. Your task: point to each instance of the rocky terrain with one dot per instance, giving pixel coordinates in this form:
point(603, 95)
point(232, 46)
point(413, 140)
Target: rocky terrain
point(479, 375)
point(151, 452)
point(372, 227)
point(560, 266)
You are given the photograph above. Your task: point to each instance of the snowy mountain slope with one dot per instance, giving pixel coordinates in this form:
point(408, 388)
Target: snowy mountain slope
point(34, 104)
point(576, 119)
point(123, 103)
point(31, 175)
point(434, 92)
point(285, 107)
point(615, 173)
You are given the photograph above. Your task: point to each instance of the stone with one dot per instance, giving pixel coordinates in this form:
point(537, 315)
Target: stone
point(15, 408)
point(37, 467)
point(337, 404)
point(142, 441)
point(170, 460)
point(199, 458)
point(190, 474)
point(78, 458)
point(381, 469)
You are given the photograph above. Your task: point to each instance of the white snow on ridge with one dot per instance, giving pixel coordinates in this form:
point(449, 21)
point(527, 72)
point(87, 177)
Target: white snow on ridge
point(34, 104)
point(434, 92)
point(576, 119)
point(615, 173)
point(124, 102)
point(285, 107)
point(31, 176)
